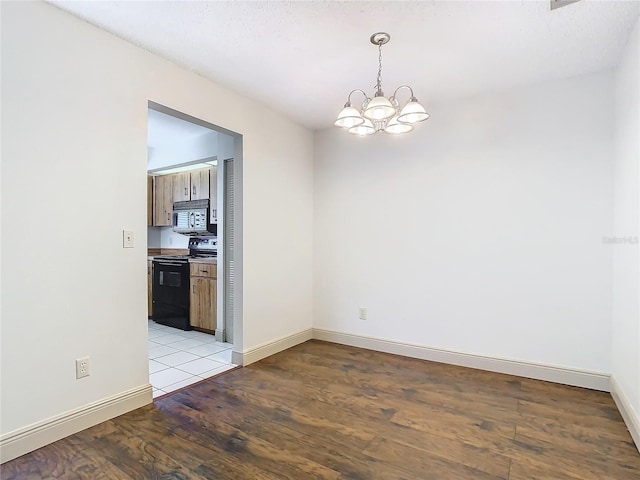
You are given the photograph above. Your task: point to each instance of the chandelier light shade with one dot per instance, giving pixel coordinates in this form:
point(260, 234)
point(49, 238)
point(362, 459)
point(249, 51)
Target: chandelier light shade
point(380, 113)
point(394, 126)
point(365, 128)
point(349, 117)
point(412, 112)
point(379, 108)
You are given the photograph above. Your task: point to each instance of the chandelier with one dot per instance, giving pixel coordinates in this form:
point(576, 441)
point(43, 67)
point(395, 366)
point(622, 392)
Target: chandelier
point(380, 113)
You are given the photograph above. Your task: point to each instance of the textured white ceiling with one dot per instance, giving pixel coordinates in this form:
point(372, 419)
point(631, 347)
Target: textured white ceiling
point(303, 57)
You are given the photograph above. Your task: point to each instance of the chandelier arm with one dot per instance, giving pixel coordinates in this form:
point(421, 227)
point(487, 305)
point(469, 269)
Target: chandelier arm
point(366, 97)
point(403, 86)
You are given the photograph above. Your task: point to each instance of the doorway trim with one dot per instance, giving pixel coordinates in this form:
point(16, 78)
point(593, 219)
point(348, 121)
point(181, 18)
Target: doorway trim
point(236, 152)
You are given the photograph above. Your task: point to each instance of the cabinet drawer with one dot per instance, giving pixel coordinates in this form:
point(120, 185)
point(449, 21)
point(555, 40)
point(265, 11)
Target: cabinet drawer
point(209, 270)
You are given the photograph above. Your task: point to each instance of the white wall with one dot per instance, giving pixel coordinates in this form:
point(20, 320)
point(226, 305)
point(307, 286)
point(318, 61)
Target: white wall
point(625, 366)
point(183, 150)
point(74, 152)
point(171, 239)
point(480, 232)
point(154, 237)
point(165, 237)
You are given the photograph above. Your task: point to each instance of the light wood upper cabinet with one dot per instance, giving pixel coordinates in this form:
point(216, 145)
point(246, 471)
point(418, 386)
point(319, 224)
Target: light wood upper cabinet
point(203, 302)
point(213, 194)
point(200, 184)
point(181, 186)
point(164, 190)
point(162, 200)
point(192, 185)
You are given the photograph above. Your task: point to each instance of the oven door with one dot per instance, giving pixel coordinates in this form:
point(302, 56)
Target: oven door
point(171, 293)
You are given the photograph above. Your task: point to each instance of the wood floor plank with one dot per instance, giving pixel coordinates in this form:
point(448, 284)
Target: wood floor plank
point(429, 466)
point(577, 415)
point(263, 411)
point(70, 464)
point(323, 442)
point(333, 412)
point(415, 380)
point(587, 440)
point(351, 389)
point(265, 455)
point(528, 471)
point(577, 457)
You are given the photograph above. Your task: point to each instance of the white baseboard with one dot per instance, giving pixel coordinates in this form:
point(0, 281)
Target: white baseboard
point(550, 373)
point(32, 437)
point(271, 348)
point(629, 415)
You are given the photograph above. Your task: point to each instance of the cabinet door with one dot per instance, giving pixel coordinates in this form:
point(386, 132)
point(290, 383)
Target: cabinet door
point(203, 303)
point(213, 194)
point(181, 186)
point(200, 184)
point(162, 201)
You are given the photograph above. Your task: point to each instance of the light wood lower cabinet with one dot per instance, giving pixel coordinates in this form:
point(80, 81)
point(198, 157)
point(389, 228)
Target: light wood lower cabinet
point(149, 287)
point(203, 304)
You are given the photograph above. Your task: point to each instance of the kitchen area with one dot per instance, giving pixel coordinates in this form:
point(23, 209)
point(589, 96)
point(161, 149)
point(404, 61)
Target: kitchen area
point(188, 341)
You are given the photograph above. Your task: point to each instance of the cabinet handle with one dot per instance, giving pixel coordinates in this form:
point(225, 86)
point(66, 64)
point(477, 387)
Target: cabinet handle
point(194, 189)
point(193, 289)
point(186, 192)
point(168, 216)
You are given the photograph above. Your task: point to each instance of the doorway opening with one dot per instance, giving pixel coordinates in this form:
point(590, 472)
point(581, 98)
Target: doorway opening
point(194, 172)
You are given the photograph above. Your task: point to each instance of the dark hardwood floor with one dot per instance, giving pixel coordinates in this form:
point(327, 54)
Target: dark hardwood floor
point(326, 411)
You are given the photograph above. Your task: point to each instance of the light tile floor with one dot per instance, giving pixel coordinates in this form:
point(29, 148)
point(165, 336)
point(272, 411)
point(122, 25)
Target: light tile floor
point(178, 358)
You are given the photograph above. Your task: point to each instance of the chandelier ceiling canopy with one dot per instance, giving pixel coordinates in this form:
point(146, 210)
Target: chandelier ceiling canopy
point(380, 113)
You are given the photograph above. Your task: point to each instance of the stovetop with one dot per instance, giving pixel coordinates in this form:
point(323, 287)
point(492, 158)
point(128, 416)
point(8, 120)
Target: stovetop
point(199, 247)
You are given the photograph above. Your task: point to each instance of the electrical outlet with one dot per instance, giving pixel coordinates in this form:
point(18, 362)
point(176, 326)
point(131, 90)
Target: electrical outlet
point(127, 239)
point(82, 367)
point(362, 313)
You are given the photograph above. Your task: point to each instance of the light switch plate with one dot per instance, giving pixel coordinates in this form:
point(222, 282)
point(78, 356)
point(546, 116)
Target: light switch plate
point(127, 239)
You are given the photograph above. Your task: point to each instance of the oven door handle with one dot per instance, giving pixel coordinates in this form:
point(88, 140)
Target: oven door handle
point(171, 264)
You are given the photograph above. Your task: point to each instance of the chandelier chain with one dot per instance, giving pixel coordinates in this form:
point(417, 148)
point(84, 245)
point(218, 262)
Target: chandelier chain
point(379, 79)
